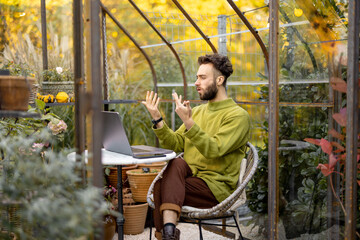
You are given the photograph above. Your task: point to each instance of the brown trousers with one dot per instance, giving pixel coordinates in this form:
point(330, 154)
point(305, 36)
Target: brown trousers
point(177, 188)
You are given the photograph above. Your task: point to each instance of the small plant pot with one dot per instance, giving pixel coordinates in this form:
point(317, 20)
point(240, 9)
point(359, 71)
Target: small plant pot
point(15, 92)
point(112, 178)
point(109, 227)
point(135, 216)
point(152, 166)
point(140, 183)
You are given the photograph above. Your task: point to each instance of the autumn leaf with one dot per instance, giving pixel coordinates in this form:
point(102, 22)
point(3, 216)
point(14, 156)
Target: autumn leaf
point(338, 84)
point(324, 169)
point(335, 134)
point(340, 117)
point(337, 145)
point(332, 161)
point(313, 141)
point(358, 181)
point(326, 146)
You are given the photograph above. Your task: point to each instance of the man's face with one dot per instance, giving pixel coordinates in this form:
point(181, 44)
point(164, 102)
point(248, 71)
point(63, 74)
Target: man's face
point(206, 82)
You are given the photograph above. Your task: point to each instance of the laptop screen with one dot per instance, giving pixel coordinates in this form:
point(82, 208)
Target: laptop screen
point(114, 135)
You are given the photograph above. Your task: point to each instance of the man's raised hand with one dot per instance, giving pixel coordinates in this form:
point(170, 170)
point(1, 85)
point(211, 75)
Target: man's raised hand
point(151, 103)
point(183, 110)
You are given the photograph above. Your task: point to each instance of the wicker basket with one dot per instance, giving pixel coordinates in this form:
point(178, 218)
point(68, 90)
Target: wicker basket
point(54, 87)
point(34, 90)
point(112, 178)
point(135, 216)
point(140, 183)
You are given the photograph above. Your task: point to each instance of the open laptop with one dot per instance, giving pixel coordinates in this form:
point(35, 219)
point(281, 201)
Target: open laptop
point(115, 139)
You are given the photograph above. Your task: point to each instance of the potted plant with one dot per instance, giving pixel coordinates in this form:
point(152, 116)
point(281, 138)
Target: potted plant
point(57, 80)
point(110, 195)
point(111, 174)
point(152, 166)
point(140, 181)
point(16, 84)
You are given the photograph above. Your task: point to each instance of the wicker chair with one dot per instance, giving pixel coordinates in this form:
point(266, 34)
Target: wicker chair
point(226, 208)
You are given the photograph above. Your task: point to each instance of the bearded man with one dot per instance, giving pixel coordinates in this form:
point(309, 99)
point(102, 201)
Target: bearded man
point(213, 137)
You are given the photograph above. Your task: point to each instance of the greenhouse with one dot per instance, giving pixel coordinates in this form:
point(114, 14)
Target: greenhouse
point(169, 119)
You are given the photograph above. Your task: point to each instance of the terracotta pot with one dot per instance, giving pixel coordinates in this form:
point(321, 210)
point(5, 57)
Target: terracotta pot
point(15, 92)
point(109, 227)
point(151, 166)
point(140, 183)
point(112, 178)
point(135, 216)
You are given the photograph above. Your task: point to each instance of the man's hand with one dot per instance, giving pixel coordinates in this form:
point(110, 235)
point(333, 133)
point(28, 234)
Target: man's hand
point(151, 103)
point(184, 111)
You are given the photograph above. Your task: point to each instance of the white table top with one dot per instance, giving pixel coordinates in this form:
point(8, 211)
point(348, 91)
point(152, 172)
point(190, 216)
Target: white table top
point(113, 158)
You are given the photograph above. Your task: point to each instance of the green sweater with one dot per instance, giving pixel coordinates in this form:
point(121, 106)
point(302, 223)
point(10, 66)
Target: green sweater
point(214, 146)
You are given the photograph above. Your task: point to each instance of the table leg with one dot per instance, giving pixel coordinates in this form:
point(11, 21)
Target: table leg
point(120, 220)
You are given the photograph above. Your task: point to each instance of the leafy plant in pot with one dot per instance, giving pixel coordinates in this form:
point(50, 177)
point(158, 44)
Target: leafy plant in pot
point(57, 80)
point(110, 195)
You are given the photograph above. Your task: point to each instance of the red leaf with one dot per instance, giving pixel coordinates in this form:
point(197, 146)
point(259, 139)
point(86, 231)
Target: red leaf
point(326, 146)
point(324, 169)
point(332, 161)
point(343, 156)
point(338, 151)
point(313, 141)
point(358, 182)
point(338, 84)
point(358, 158)
point(340, 119)
point(335, 134)
point(336, 144)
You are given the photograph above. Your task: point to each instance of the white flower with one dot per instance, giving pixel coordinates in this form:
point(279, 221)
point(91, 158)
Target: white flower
point(59, 70)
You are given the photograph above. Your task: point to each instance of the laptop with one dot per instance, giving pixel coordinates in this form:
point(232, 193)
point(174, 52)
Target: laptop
point(115, 139)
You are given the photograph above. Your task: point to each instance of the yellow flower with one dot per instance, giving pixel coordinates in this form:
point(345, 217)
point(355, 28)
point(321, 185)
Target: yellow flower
point(114, 34)
point(285, 45)
point(298, 12)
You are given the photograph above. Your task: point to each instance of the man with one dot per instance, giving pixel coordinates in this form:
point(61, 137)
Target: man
point(213, 137)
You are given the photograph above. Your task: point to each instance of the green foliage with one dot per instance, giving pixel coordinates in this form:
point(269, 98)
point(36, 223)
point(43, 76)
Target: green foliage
point(30, 126)
point(17, 69)
point(57, 75)
point(302, 188)
point(51, 202)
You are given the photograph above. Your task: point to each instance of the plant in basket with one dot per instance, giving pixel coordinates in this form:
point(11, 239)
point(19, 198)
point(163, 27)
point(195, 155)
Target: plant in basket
point(140, 181)
point(57, 82)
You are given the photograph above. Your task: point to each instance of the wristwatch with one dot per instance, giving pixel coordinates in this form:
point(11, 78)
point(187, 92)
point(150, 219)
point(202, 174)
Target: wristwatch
point(155, 122)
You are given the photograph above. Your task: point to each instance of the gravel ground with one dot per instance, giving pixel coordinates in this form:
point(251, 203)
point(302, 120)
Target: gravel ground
point(191, 232)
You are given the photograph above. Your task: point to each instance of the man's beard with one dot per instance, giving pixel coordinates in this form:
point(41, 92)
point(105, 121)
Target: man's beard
point(210, 92)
